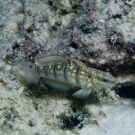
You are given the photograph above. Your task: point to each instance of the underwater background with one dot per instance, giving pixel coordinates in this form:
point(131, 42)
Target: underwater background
point(100, 33)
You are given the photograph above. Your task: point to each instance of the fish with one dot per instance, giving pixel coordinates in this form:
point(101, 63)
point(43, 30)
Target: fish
point(63, 72)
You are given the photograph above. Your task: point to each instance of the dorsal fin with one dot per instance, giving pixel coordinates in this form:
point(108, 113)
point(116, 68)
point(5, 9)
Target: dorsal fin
point(75, 62)
point(53, 59)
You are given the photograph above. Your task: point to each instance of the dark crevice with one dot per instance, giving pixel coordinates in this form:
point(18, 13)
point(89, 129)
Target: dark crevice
point(63, 12)
point(69, 122)
point(117, 16)
point(50, 3)
point(126, 91)
point(73, 45)
point(87, 28)
point(31, 28)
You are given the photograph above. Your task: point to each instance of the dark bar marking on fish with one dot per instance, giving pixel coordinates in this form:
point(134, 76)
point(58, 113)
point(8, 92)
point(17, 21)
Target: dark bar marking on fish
point(45, 71)
point(37, 67)
point(77, 75)
point(65, 76)
point(54, 71)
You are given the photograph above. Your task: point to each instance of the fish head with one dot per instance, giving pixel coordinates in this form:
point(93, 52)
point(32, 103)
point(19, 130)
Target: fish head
point(103, 80)
point(26, 72)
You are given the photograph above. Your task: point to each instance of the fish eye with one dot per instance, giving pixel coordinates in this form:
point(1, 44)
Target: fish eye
point(30, 66)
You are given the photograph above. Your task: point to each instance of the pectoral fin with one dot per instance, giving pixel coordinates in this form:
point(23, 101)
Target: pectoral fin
point(83, 93)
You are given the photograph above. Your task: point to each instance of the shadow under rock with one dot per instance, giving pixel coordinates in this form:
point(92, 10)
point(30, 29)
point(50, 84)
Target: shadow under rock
point(126, 91)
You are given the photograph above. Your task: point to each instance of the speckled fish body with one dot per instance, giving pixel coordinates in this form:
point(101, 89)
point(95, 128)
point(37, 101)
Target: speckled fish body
point(63, 72)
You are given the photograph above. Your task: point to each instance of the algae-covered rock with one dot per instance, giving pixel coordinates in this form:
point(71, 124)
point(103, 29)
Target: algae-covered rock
point(99, 33)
